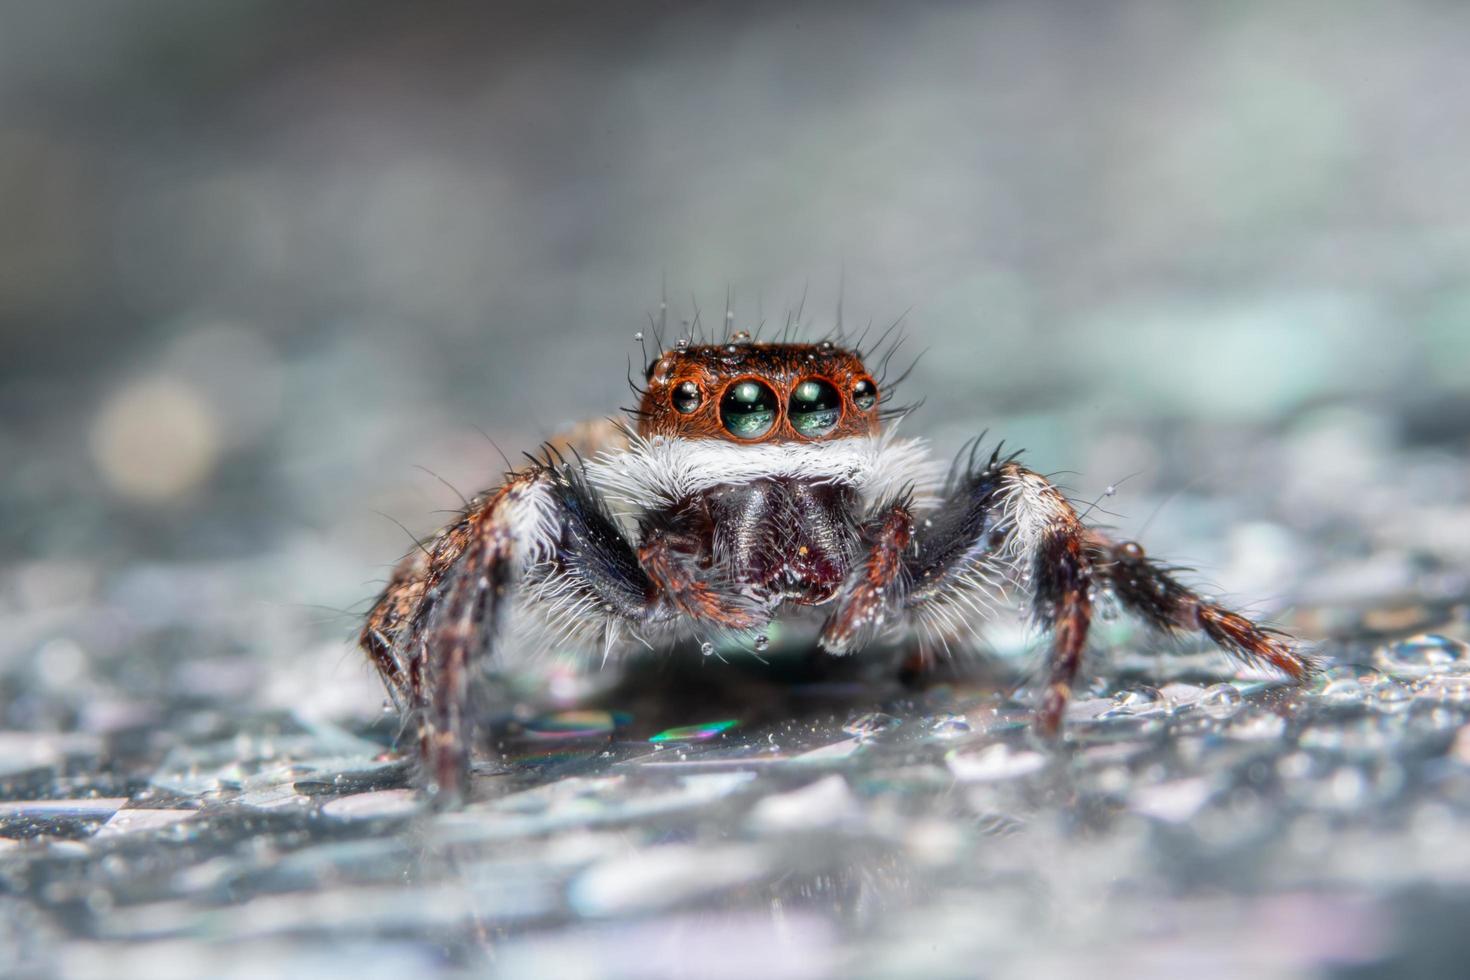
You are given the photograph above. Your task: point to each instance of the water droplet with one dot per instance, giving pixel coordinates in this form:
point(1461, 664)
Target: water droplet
point(707, 648)
point(741, 337)
point(1427, 653)
point(871, 724)
point(1452, 688)
point(1389, 696)
point(638, 336)
point(949, 725)
point(1140, 700)
point(762, 642)
point(1220, 701)
point(1343, 690)
point(681, 343)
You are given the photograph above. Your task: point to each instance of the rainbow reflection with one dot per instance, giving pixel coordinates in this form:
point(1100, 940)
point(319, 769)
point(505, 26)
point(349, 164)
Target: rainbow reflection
point(694, 733)
point(575, 724)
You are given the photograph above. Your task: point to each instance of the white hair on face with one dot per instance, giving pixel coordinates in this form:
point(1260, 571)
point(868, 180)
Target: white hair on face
point(663, 470)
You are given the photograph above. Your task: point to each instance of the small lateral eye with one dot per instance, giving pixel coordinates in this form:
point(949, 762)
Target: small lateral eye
point(865, 394)
point(815, 408)
point(748, 409)
point(687, 398)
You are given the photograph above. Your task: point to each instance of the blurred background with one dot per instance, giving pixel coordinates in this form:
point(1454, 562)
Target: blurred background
point(272, 274)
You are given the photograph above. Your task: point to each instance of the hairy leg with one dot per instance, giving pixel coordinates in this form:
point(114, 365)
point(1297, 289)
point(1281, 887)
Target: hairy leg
point(440, 621)
point(874, 590)
point(1149, 590)
point(1000, 514)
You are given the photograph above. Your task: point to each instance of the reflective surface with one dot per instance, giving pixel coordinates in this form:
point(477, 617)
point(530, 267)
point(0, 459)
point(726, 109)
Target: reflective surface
point(745, 814)
point(259, 265)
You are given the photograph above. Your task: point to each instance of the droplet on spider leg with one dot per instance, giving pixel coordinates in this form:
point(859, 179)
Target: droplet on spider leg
point(638, 336)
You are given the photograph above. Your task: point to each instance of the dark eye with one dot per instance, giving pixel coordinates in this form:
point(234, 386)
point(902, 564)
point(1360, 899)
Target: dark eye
point(865, 394)
point(687, 397)
point(748, 409)
point(815, 408)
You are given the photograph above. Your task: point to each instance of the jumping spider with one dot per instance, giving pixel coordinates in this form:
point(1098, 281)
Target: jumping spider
point(759, 480)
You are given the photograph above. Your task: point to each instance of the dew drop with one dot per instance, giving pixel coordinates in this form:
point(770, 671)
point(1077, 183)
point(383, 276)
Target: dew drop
point(1389, 696)
point(762, 642)
point(871, 724)
point(1220, 701)
point(1452, 688)
point(1142, 700)
point(949, 725)
point(1427, 653)
point(638, 336)
point(681, 343)
point(707, 648)
point(1343, 690)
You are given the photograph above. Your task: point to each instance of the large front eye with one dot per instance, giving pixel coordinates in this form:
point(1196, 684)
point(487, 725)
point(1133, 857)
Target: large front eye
point(687, 398)
point(748, 409)
point(815, 408)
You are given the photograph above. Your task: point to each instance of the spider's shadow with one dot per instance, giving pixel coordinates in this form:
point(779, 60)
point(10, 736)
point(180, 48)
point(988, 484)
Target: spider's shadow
point(681, 687)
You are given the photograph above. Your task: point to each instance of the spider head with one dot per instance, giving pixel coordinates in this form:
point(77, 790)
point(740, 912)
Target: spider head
point(759, 393)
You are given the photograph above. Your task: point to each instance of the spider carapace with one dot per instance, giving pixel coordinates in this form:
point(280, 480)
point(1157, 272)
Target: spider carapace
point(760, 480)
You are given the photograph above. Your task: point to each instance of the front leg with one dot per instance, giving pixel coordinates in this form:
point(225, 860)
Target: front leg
point(874, 591)
point(439, 624)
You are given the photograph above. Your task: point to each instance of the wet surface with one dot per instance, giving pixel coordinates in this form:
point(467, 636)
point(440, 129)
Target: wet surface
point(763, 816)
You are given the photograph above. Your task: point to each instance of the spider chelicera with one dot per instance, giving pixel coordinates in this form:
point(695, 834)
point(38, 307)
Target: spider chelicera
point(759, 480)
